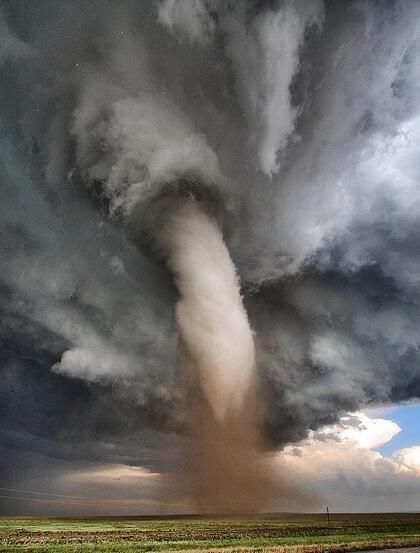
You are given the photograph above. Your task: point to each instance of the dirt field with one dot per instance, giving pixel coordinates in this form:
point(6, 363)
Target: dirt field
point(292, 533)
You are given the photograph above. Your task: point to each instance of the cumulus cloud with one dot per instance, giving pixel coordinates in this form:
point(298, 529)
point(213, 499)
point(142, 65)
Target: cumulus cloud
point(361, 430)
point(408, 457)
point(341, 463)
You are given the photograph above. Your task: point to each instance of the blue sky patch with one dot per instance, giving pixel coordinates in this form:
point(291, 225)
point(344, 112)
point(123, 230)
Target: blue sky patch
point(408, 419)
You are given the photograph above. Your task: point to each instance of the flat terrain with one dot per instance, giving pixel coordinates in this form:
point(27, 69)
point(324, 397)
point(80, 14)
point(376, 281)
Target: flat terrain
point(285, 533)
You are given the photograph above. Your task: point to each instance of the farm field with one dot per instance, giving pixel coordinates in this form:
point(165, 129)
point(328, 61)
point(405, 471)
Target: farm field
point(282, 533)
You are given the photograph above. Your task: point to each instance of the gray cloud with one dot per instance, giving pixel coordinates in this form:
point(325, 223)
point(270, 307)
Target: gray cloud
point(11, 47)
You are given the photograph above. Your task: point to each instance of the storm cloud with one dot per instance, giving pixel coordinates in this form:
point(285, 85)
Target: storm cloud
point(306, 115)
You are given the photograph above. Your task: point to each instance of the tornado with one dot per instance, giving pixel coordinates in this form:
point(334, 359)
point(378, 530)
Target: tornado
point(161, 179)
point(222, 465)
point(210, 314)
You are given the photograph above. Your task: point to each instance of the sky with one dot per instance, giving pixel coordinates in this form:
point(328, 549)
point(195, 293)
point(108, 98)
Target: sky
point(295, 125)
point(407, 418)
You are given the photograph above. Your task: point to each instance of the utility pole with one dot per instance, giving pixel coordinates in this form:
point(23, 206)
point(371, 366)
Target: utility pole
point(328, 515)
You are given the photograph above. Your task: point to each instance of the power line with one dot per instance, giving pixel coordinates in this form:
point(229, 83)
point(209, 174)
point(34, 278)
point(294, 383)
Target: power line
point(46, 493)
point(55, 501)
point(96, 499)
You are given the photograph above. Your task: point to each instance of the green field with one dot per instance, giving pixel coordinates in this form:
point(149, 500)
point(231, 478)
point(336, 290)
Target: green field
point(285, 533)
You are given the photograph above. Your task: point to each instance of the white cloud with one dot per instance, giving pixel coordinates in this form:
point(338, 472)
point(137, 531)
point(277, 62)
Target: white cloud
point(408, 457)
point(340, 462)
point(363, 431)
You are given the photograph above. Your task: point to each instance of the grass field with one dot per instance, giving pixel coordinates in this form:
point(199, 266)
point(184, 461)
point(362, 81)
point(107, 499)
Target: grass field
point(286, 533)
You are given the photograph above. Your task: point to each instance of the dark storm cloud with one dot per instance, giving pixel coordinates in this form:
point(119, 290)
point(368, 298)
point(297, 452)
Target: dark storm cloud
point(332, 342)
point(53, 426)
point(44, 412)
point(308, 115)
